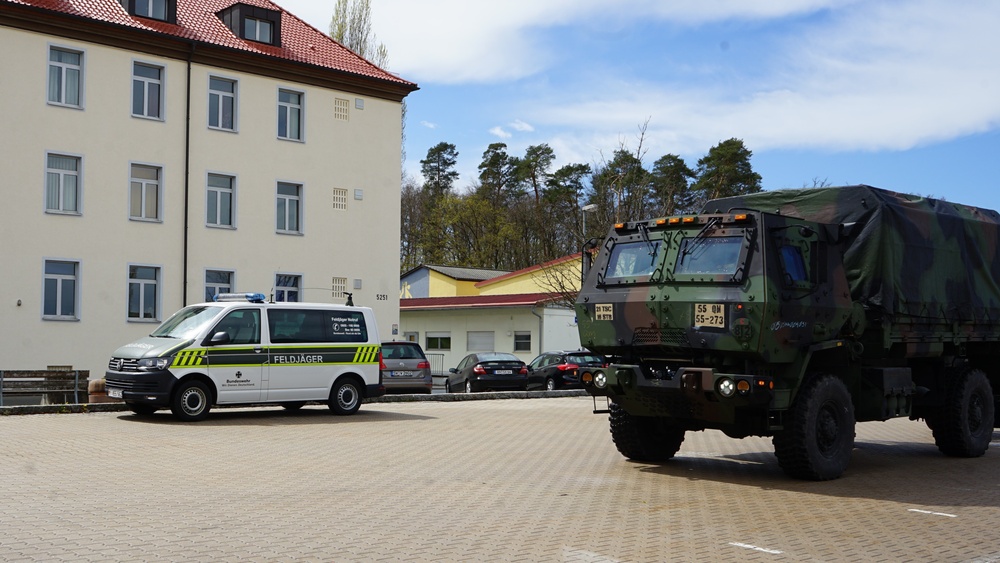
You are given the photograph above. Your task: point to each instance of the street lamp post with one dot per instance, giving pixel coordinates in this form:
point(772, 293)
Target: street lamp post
point(584, 210)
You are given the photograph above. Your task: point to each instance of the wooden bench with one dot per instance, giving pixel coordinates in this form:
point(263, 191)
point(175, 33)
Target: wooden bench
point(58, 386)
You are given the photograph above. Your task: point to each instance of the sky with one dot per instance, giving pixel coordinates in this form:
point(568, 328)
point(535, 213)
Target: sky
point(898, 94)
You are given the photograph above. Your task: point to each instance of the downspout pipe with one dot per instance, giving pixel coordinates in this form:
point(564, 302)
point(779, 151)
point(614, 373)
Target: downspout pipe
point(541, 328)
point(187, 182)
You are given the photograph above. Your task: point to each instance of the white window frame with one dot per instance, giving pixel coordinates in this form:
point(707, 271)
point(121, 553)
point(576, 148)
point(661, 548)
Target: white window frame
point(218, 287)
point(522, 333)
point(147, 83)
point(60, 279)
point(437, 334)
point(281, 291)
point(216, 97)
point(287, 109)
point(144, 184)
point(63, 69)
point(255, 36)
point(141, 284)
point(282, 206)
point(63, 174)
point(217, 191)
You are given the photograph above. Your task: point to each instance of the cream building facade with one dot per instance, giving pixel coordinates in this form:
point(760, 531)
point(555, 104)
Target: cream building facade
point(152, 161)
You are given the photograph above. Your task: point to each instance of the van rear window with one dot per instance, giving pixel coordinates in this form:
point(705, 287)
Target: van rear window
point(291, 326)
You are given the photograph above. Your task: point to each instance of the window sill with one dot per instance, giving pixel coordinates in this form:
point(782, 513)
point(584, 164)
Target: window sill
point(149, 118)
point(291, 140)
point(145, 321)
point(223, 227)
point(291, 233)
point(222, 129)
point(144, 220)
point(66, 213)
point(67, 106)
point(60, 319)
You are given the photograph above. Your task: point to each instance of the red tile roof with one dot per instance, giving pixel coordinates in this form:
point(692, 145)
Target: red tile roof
point(474, 301)
point(197, 21)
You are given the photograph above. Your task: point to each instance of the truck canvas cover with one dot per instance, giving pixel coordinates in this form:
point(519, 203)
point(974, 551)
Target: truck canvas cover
point(904, 255)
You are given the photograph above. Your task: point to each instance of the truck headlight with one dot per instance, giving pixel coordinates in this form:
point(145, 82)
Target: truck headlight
point(726, 387)
point(600, 380)
point(151, 364)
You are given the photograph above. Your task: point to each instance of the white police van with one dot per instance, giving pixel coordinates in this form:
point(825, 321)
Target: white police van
point(242, 350)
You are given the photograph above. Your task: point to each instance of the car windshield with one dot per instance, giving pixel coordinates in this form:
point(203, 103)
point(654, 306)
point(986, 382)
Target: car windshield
point(711, 255)
point(632, 259)
point(187, 322)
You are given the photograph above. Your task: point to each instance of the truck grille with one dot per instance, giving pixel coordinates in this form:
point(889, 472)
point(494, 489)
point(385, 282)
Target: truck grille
point(123, 364)
point(659, 336)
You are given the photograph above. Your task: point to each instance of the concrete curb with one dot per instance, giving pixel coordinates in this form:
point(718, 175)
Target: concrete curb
point(439, 397)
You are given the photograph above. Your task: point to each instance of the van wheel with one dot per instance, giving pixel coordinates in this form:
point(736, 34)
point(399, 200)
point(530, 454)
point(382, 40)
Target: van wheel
point(345, 398)
point(293, 406)
point(964, 427)
point(818, 438)
point(141, 409)
point(191, 401)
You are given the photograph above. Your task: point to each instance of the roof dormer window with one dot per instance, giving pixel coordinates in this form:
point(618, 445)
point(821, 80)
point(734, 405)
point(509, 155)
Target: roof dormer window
point(253, 23)
point(163, 10)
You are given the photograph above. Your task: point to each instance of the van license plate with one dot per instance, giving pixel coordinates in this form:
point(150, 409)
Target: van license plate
point(504, 372)
point(114, 393)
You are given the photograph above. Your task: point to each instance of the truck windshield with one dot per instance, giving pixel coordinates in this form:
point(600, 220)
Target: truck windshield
point(187, 322)
point(711, 255)
point(631, 259)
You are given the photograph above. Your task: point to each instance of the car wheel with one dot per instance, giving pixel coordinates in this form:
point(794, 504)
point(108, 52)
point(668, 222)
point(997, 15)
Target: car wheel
point(345, 398)
point(191, 401)
point(550, 384)
point(468, 386)
point(447, 386)
point(294, 406)
point(140, 409)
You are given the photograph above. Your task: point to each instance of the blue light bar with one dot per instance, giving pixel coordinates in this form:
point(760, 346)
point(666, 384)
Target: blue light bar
point(251, 297)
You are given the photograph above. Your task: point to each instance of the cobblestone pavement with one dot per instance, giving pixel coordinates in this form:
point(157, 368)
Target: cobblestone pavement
point(497, 480)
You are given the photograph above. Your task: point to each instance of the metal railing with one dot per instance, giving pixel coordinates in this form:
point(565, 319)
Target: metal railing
point(45, 383)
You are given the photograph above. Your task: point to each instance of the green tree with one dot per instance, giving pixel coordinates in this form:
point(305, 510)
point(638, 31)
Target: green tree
point(726, 171)
point(351, 26)
point(438, 169)
point(534, 168)
point(671, 182)
point(498, 176)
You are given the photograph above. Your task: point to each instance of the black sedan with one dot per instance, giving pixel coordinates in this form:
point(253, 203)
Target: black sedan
point(495, 371)
point(562, 369)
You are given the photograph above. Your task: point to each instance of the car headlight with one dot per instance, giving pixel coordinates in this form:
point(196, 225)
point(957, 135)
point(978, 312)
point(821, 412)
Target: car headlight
point(726, 387)
point(150, 364)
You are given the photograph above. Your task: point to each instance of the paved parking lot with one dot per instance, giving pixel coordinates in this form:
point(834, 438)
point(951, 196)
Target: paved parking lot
point(485, 480)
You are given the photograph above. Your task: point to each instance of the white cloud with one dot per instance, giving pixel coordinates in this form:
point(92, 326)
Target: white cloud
point(500, 132)
point(521, 126)
point(429, 125)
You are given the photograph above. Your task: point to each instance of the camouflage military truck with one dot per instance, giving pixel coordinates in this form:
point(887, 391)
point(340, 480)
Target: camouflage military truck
point(795, 314)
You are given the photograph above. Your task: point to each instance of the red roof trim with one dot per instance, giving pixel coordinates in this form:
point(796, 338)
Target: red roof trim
point(536, 267)
point(476, 301)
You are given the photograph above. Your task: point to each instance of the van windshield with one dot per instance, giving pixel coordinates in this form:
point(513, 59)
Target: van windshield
point(187, 322)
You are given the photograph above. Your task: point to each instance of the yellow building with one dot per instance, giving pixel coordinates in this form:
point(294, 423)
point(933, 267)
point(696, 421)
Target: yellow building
point(454, 311)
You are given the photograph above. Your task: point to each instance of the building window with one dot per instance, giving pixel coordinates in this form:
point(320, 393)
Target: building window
point(143, 292)
point(479, 341)
point(59, 290)
point(290, 115)
point(144, 193)
point(216, 282)
point(65, 77)
point(340, 199)
point(341, 109)
point(287, 287)
point(257, 30)
point(337, 287)
point(220, 200)
point(147, 88)
point(222, 103)
point(289, 204)
point(438, 341)
point(163, 10)
point(62, 184)
point(522, 341)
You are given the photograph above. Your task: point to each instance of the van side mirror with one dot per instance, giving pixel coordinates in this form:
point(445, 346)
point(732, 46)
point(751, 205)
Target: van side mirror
point(220, 338)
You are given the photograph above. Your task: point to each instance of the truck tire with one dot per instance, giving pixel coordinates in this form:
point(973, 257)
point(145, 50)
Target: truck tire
point(818, 438)
point(643, 438)
point(964, 427)
point(191, 401)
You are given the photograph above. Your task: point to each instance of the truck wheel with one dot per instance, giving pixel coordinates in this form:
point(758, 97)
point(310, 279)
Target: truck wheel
point(643, 438)
point(191, 401)
point(345, 398)
point(818, 437)
point(965, 424)
point(141, 409)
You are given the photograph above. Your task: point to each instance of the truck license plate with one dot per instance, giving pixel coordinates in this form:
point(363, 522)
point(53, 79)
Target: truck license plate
point(711, 315)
